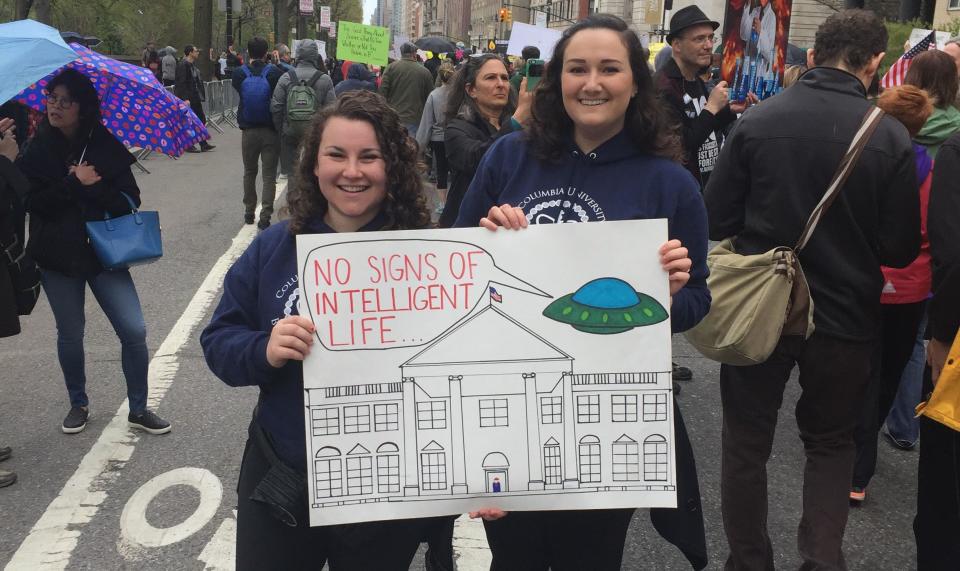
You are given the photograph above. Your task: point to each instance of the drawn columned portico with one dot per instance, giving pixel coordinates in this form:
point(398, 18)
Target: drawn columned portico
point(490, 406)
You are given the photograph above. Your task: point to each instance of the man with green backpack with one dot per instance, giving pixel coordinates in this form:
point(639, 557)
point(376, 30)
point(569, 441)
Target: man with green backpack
point(299, 94)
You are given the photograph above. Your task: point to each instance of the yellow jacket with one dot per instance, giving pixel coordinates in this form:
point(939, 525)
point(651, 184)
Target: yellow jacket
point(944, 404)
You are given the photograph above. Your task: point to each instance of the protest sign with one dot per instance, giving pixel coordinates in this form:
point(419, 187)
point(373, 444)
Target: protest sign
point(918, 34)
point(755, 34)
point(322, 48)
point(522, 35)
point(333, 29)
point(306, 6)
point(324, 16)
point(366, 44)
point(459, 369)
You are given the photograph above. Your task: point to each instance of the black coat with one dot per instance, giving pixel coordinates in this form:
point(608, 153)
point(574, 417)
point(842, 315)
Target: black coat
point(13, 187)
point(943, 228)
point(775, 167)
point(59, 205)
point(466, 141)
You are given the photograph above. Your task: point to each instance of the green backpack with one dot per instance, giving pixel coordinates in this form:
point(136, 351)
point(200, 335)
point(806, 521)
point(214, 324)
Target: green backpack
point(302, 103)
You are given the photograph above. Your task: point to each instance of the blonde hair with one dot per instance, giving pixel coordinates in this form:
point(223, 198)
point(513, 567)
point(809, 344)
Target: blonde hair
point(792, 74)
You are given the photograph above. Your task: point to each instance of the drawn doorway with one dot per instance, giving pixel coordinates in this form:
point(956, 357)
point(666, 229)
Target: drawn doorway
point(496, 470)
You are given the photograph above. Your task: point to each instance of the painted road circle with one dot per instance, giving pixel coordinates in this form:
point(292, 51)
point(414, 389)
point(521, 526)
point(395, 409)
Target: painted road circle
point(133, 521)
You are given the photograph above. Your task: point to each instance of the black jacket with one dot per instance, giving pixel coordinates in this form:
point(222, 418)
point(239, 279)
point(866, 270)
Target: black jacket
point(776, 165)
point(187, 85)
point(943, 217)
point(466, 141)
point(59, 205)
point(13, 187)
point(693, 130)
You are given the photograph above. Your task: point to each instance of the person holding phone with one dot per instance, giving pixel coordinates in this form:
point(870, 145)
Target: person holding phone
point(526, 54)
point(480, 110)
point(599, 132)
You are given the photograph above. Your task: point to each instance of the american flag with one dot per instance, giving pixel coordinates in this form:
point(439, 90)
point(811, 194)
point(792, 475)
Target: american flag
point(898, 71)
point(495, 296)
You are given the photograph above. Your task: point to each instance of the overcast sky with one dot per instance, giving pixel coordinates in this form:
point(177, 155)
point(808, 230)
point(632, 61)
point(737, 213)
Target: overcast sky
point(368, 7)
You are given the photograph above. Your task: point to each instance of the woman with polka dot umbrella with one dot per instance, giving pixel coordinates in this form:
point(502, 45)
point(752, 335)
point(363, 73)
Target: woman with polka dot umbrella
point(135, 107)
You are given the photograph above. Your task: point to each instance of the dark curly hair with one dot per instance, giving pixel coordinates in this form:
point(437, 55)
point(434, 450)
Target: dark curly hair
point(936, 73)
point(405, 205)
point(646, 121)
point(851, 38)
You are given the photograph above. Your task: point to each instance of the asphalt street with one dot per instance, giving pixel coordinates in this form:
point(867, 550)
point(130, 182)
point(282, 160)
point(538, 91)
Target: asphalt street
point(105, 499)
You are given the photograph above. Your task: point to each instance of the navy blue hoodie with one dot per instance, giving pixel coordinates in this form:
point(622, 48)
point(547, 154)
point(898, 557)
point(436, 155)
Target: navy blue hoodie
point(259, 290)
point(616, 181)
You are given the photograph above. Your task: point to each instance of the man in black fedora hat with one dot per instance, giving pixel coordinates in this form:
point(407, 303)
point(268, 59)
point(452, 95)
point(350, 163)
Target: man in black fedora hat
point(702, 113)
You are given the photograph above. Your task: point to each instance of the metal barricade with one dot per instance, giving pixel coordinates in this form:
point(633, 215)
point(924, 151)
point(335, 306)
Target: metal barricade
point(230, 102)
point(210, 104)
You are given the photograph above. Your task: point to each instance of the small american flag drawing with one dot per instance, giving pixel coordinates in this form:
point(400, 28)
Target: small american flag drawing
point(898, 71)
point(495, 296)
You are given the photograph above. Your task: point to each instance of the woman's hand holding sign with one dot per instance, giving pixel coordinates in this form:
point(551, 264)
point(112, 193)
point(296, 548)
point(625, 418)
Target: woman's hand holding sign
point(675, 260)
point(510, 217)
point(290, 338)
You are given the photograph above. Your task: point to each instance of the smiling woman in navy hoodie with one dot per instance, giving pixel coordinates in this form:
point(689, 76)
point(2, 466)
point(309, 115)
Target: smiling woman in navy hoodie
point(598, 148)
point(358, 174)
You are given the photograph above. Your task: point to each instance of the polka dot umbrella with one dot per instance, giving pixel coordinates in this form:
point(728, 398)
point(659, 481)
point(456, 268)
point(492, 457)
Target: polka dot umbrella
point(134, 106)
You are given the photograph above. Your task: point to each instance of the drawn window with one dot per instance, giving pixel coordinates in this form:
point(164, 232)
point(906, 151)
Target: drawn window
point(326, 421)
point(431, 414)
point(655, 460)
point(626, 461)
point(588, 409)
point(551, 410)
point(590, 459)
point(654, 407)
point(434, 466)
point(386, 417)
point(329, 478)
point(356, 419)
point(388, 473)
point(493, 412)
point(624, 408)
point(359, 475)
point(551, 464)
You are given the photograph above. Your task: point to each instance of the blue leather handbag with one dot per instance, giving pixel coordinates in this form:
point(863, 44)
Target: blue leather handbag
point(129, 240)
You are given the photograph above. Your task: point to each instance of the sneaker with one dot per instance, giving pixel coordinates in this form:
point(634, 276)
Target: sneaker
point(263, 224)
point(76, 420)
point(204, 147)
point(148, 421)
point(248, 218)
point(5, 452)
point(7, 477)
point(857, 495)
point(193, 149)
point(682, 373)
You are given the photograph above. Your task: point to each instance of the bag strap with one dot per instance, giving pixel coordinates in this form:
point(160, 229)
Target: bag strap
point(867, 127)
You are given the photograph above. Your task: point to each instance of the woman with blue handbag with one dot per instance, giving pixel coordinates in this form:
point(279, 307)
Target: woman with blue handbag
point(79, 172)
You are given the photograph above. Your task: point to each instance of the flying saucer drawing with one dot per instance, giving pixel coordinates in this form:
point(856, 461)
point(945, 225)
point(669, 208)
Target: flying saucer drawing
point(605, 306)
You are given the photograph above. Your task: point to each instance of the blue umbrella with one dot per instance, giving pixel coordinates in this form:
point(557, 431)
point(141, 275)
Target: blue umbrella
point(31, 51)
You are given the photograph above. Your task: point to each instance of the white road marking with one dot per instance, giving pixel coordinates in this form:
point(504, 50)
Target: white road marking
point(470, 546)
point(220, 554)
point(134, 526)
point(53, 538)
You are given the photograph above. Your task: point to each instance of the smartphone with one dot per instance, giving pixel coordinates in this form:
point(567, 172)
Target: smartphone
point(533, 72)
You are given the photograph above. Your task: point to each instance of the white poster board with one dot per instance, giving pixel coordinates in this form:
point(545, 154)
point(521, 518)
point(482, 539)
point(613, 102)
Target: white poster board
point(306, 6)
point(324, 16)
point(322, 48)
point(398, 41)
point(333, 29)
point(918, 34)
point(522, 35)
point(460, 369)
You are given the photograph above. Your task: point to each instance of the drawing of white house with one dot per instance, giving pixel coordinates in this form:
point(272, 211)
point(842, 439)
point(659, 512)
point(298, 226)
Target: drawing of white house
point(490, 407)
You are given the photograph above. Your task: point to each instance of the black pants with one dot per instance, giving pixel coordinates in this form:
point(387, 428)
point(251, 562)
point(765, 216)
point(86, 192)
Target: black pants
point(266, 543)
point(833, 374)
point(558, 540)
point(937, 525)
point(440, 160)
point(898, 332)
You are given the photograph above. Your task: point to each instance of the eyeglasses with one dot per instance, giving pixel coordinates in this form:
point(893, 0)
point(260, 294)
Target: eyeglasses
point(61, 102)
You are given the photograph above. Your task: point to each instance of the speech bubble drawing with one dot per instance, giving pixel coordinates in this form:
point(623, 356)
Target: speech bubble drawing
point(385, 294)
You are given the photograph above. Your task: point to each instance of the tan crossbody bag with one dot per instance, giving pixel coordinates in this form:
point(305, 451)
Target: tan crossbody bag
point(758, 298)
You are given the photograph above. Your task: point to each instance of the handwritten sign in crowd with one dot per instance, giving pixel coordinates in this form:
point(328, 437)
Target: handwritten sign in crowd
point(365, 44)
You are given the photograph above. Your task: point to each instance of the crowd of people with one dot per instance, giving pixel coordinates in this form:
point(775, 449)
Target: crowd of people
point(882, 267)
